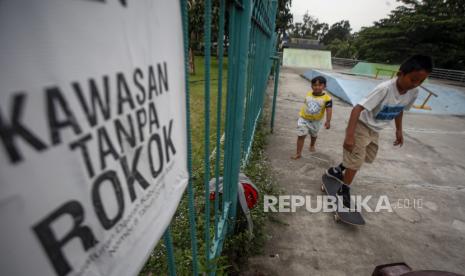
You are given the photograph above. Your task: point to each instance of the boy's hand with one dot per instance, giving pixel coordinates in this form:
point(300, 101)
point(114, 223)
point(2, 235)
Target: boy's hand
point(327, 124)
point(399, 138)
point(349, 143)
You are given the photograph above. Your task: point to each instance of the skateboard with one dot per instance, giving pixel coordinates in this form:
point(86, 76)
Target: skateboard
point(331, 186)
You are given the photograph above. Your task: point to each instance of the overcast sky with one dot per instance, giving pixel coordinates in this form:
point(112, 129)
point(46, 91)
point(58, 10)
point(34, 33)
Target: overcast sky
point(360, 13)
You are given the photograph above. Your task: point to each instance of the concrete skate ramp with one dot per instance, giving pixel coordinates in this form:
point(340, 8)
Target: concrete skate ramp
point(370, 69)
point(307, 58)
point(352, 88)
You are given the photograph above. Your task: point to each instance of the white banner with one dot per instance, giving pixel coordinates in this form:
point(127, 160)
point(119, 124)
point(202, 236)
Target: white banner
point(92, 133)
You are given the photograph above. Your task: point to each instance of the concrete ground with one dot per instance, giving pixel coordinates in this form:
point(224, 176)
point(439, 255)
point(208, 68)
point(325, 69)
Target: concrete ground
point(430, 167)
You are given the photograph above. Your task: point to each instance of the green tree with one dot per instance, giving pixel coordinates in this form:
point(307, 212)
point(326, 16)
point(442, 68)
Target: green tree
point(309, 28)
point(432, 27)
point(339, 30)
point(342, 48)
point(196, 10)
point(284, 17)
point(196, 20)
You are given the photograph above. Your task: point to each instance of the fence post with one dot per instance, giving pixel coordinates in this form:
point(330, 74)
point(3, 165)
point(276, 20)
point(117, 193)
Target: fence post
point(207, 52)
point(190, 190)
point(237, 67)
point(218, 110)
point(275, 92)
point(169, 251)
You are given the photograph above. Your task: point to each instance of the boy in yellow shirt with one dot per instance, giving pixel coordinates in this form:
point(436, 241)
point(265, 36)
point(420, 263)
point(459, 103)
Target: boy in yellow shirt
point(311, 114)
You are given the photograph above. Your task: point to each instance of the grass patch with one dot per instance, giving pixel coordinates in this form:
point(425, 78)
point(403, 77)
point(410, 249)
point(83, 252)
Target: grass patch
point(197, 107)
point(239, 246)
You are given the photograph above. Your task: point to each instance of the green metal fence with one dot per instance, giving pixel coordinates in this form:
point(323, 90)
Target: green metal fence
point(250, 52)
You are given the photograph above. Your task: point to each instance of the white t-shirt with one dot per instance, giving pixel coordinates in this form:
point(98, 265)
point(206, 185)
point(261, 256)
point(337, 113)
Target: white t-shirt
point(384, 103)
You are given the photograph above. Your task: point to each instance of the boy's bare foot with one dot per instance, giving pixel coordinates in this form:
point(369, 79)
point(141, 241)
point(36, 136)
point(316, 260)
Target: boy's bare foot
point(312, 149)
point(295, 157)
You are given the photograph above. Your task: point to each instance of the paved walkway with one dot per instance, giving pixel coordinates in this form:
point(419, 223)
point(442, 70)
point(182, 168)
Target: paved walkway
point(430, 166)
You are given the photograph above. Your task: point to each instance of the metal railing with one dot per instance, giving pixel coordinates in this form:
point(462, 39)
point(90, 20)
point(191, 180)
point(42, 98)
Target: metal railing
point(252, 44)
point(344, 61)
point(446, 74)
point(438, 73)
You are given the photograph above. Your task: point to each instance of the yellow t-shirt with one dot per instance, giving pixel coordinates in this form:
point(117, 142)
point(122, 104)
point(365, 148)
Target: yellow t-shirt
point(315, 106)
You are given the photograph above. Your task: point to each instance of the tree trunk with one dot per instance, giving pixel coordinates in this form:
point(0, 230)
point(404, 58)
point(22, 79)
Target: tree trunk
point(191, 62)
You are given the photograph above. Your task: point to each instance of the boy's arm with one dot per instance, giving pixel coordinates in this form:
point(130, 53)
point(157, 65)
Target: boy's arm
point(349, 140)
point(399, 136)
point(329, 114)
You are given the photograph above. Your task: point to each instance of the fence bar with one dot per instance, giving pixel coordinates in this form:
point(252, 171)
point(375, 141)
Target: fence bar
point(218, 110)
point(275, 92)
point(251, 35)
point(234, 117)
point(207, 31)
point(169, 251)
point(222, 230)
point(261, 48)
point(190, 190)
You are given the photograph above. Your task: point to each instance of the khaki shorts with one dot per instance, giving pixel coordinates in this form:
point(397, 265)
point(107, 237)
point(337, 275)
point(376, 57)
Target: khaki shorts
point(308, 127)
point(365, 148)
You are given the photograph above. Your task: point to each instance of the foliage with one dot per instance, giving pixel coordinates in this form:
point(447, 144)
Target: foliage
point(284, 17)
point(196, 9)
point(196, 21)
point(431, 27)
point(339, 40)
point(309, 28)
point(157, 262)
point(238, 246)
point(342, 48)
point(339, 30)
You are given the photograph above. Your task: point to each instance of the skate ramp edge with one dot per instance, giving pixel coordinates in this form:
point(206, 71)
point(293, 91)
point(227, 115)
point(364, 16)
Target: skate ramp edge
point(305, 58)
point(332, 85)
point(370, 69)
point(352, 89)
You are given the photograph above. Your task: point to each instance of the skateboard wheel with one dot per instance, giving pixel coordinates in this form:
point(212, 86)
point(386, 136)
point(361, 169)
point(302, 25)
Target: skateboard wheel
point(322, 188)
point(336, 218)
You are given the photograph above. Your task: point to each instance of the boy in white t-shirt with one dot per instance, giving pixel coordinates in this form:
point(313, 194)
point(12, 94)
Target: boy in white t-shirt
point(386, 102)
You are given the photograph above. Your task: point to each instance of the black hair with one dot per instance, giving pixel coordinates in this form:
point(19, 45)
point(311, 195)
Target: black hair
point(417, 63)
point(319, 79)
